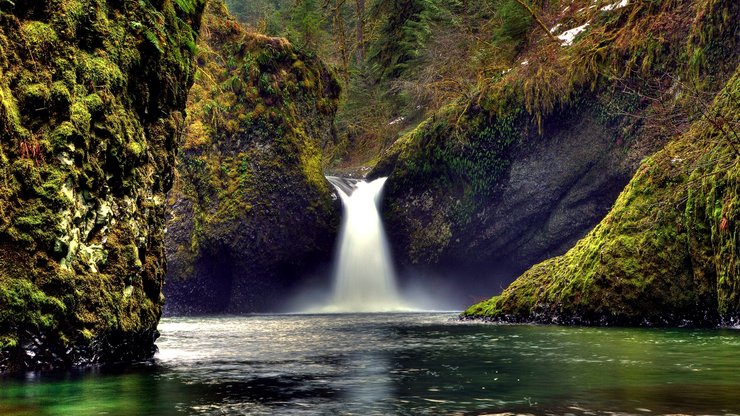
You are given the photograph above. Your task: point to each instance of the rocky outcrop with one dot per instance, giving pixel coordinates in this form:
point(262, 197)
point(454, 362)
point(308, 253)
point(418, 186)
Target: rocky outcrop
point(251, 211)
point(92, 95)
point(534, 197)
point(537, 157)
point(667, 252)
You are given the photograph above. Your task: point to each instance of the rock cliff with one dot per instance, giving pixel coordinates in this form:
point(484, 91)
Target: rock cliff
point(667, 252)
point(526, 166)
point(92, 95)
point(251, 211)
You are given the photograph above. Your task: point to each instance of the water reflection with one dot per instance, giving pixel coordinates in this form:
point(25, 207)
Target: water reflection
point(398, 364)
point(372, 388)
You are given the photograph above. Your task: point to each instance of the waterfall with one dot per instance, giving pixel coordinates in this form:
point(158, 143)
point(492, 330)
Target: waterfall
point(364, 279)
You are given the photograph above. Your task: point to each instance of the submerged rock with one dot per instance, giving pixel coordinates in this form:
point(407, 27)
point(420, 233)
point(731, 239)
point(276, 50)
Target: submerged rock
point(251, 211)
point(92, 95)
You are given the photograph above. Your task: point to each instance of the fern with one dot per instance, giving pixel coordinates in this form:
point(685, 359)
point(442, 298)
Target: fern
point(187, 6)
point(152, 38)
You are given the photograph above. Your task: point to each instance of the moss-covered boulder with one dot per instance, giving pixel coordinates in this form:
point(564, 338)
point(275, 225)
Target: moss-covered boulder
point(525, 167)
point(251, 211)
point(92, 95)
point(666, 254)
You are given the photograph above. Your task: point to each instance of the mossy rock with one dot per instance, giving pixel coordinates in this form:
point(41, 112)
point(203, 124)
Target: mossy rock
point(521, 169)
point(250, 174)
point(666, 254)
point(82, 99)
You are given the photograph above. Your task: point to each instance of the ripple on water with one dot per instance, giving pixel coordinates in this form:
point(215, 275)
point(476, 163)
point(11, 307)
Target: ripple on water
point(411, 364)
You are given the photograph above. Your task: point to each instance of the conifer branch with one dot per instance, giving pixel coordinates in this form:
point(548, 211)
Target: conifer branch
point(537, 19)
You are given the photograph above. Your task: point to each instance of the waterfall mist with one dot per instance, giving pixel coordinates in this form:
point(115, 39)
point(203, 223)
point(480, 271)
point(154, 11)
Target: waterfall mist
point(363, 276)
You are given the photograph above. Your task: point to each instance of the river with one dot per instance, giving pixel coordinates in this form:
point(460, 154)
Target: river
point(398, 364)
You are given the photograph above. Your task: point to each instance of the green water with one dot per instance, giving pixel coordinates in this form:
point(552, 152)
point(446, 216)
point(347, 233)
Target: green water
point(407, 364)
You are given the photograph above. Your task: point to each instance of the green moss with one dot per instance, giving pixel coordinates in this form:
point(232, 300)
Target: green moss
point(99, 71)
point(26, 306)
point(94, 103)
point(35, 96)
point(39, 36)
point(8, 111)
point(136, 148)
point(60, 95)
point(62, 135)
point(80, 116)
point(664, 255)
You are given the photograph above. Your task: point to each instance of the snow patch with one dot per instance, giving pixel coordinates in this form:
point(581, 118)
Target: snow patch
point(568, 36)
point(615, 6)
point(396, 121)
point(525, 62)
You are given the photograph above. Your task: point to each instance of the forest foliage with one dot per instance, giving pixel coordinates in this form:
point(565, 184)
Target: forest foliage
point(399, 61)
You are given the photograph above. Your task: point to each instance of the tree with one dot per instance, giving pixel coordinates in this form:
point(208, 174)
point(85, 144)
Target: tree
point(360, 27)
point(402, 35)
point(537, 19)
point(308, 19)
point(335, 8)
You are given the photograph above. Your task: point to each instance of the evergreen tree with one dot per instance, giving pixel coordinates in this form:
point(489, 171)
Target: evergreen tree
point(307, 19)
point(404, 30)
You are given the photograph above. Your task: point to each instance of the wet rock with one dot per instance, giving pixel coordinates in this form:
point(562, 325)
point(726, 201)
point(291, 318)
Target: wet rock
point(83, 91)
point(252, 212)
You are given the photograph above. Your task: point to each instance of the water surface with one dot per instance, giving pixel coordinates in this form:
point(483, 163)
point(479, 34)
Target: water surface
point(406, 364)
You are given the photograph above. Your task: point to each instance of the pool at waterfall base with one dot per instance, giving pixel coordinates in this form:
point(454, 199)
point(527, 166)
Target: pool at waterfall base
point(398, 364)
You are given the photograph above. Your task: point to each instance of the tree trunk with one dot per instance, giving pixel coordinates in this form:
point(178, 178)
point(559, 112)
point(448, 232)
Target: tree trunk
point(344, 51)
point(537, 19)
point(360, 31)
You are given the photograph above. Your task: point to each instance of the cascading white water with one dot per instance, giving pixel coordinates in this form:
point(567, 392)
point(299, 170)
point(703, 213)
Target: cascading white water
point(364, 279)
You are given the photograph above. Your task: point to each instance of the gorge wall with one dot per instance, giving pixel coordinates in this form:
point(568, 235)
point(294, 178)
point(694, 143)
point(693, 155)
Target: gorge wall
point(525, 167)
point(92, 99)
point(251, 212)
point(667, 252)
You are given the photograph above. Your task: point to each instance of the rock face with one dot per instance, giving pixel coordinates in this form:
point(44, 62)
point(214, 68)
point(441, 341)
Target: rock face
point(667, 252)
point(251, 210)
point(92, 95)
point(534, 197)
point(529, 165)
